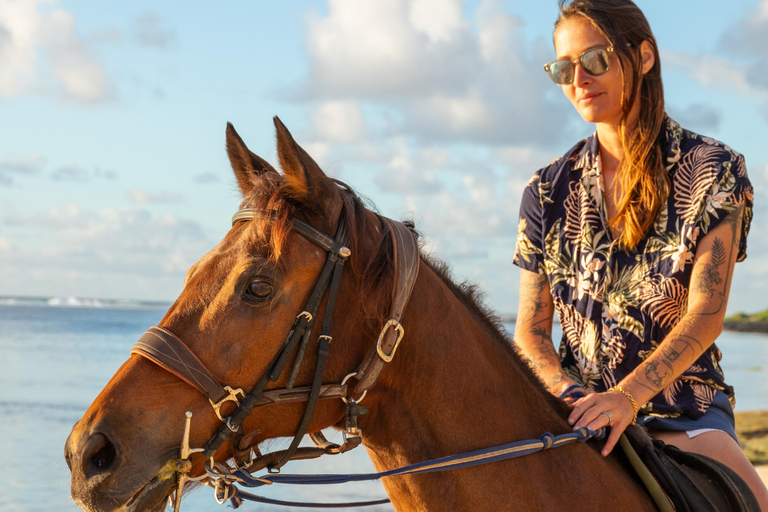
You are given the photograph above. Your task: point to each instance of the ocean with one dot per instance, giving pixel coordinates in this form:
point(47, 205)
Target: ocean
point(57, 354)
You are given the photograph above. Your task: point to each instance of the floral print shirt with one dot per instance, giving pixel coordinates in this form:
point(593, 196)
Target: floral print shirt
point(616, 306)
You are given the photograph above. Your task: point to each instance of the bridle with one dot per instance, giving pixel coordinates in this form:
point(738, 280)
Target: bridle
point(162, 347)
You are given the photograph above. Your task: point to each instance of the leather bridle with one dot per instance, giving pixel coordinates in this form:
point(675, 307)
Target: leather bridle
point(162, 347)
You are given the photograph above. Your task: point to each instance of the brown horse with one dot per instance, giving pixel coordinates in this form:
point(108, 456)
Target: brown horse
point(456, 383)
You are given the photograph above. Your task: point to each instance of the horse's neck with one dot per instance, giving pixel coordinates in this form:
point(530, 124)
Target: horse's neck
point(452, 376)
point(452, 388)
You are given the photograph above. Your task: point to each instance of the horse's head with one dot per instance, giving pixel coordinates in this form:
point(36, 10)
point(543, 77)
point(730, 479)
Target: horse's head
point(238, 304)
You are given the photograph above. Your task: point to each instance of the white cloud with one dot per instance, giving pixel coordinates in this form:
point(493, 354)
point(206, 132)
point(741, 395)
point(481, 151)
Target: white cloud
point(438, 19)
point(6, 245)
point(140, 255)
point(433, 72)
point(750, 34)
point(39, 42)
point(709, 70)
point(371, 48)
point(338, 121)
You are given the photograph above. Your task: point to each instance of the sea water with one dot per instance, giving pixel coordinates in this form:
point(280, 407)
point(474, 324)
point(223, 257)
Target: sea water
point(57, 356)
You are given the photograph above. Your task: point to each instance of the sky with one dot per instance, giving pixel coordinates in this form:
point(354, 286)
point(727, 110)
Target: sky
point(114, 177)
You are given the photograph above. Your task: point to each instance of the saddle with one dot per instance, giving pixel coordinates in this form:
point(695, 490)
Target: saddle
point(683, 481)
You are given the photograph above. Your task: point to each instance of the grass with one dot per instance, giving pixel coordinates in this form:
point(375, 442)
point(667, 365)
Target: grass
point(757, 322)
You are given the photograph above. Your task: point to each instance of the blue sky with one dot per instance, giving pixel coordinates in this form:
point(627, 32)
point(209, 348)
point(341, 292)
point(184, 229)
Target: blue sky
point(113, 173)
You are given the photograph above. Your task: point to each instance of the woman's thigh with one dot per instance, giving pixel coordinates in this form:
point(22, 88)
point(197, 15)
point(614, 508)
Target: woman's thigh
point(722, 447)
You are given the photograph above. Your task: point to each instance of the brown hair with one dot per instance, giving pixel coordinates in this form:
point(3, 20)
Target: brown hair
point(641, 173)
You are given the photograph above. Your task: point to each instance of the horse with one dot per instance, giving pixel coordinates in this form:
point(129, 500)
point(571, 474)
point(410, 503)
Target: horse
point(455, 384)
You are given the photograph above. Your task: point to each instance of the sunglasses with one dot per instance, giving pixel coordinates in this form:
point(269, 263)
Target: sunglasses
point(595, 62)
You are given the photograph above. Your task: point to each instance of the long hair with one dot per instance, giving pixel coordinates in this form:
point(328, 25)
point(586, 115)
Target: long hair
point(641, 174)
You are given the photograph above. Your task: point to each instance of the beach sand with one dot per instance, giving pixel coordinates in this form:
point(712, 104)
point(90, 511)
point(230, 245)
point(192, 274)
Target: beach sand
point(763, 472)
point(752, 429)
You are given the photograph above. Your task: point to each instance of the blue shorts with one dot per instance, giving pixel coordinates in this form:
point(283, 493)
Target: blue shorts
point(719, 416)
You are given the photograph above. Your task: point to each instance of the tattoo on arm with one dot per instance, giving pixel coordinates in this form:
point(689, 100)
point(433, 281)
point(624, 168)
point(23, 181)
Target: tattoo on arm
point(660, 371)
point(530, 293)
point(542, 333)
point(710, 276)
point(709, 281)
point(542, 361)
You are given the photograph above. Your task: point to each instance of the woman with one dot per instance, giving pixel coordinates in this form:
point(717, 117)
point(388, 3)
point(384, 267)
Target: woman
point(632, 237)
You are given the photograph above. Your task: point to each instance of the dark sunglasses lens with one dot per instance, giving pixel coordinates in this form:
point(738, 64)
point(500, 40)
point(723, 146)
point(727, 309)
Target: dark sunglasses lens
point(595, 62)
point(561, 71)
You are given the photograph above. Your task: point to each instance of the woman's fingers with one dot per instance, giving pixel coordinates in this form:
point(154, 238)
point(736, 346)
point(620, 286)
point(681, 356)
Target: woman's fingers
point(592, 407)
point(613, 438)
point(609, 409)
point(581, 406)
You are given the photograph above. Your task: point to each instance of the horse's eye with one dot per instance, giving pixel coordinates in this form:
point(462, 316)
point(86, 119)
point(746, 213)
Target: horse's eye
point(259, 289)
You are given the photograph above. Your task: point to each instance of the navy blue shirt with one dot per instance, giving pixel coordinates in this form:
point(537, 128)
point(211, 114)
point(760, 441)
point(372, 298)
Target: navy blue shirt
point(615, 307)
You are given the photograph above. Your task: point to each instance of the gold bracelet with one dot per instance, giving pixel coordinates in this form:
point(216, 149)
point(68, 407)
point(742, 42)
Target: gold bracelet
point(631, 399)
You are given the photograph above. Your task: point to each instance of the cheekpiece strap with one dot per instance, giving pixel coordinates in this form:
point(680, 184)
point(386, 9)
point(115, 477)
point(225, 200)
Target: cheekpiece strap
point(406, 251)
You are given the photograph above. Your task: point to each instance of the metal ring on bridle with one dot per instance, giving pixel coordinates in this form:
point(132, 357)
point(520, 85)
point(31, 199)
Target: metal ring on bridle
point(348, 400)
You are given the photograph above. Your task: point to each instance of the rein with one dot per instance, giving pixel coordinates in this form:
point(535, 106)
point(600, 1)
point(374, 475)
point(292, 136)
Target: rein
point(463, 460)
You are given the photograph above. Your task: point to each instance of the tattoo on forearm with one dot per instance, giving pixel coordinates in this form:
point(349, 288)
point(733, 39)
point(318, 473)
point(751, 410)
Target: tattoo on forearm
point(543, 358)
point(682, 345)
point(660, 371)
point(542, 333)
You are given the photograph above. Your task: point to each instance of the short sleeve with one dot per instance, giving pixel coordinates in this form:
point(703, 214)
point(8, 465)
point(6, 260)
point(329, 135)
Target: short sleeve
point(528, 250)
point(730, 189)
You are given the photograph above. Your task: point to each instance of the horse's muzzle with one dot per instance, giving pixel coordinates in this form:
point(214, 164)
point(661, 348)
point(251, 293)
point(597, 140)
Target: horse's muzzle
point(94, 460)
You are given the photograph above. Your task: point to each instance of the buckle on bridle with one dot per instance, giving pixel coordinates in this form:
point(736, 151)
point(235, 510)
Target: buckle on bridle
point(231, 397)
point(400, 333)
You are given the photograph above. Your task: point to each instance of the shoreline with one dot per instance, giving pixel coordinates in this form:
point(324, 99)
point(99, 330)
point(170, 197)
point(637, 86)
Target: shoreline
point(756, 327)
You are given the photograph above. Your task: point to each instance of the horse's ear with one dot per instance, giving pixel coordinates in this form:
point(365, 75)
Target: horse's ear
point(305, 179)
point(247, 166)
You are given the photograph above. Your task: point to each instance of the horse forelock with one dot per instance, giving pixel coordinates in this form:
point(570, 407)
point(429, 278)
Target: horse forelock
point(210, 281)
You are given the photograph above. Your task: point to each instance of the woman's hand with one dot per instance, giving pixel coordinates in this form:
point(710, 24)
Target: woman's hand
point(609, 409)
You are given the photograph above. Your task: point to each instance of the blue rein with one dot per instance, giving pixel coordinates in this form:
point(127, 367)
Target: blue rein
point(463, 460)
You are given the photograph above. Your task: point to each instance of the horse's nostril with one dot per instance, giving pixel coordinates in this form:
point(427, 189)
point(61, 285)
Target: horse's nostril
point(100, 455)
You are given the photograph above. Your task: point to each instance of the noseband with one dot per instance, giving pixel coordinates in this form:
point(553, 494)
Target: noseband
point(168, 351)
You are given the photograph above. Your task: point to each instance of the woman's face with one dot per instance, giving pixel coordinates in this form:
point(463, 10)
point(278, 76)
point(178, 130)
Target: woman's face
point(596, 98)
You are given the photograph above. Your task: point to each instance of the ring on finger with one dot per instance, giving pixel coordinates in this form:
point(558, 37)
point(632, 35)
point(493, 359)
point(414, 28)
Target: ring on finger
point(610, 418)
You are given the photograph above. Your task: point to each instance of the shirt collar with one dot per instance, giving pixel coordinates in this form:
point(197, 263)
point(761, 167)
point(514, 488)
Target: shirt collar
point(588, 156)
